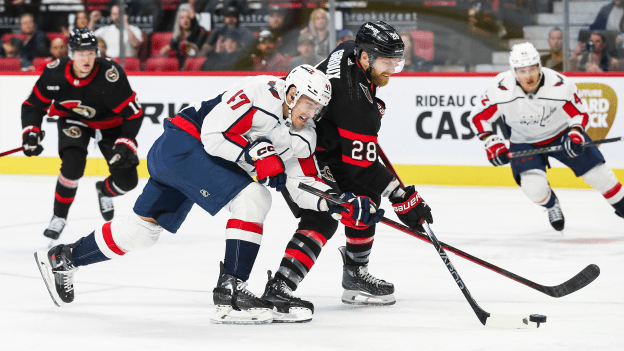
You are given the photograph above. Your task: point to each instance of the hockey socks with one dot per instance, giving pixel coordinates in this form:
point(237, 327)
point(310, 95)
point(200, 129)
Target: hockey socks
point(86, 251)
point(301, 253)
point(64, 195)
point(110, 189)
point(241, 247)
point(359, 244)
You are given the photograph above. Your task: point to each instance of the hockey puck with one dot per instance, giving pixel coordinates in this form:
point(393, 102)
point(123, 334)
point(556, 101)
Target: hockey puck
point(537, 318)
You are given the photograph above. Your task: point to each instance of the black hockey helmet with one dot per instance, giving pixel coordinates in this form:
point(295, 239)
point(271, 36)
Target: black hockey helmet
point(82, 39)
point(379, 39)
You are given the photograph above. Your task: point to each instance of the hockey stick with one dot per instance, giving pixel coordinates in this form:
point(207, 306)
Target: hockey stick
point(545, 150)
point(579, 281)
point(497, 321)
point(11, 151)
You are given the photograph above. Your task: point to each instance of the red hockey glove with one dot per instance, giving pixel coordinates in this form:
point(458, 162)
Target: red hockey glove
point(269, 166)
point(360, 212)
point(411, 208)
point(124, 154)
point(496, 150)
point(572, 143)
point(31, 140)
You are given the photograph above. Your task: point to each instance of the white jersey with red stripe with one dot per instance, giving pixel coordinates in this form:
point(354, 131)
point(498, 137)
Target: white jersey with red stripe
point(250, 110)
point(533, 118)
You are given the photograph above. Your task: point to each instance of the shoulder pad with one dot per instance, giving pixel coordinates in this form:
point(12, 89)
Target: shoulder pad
point(502, 87)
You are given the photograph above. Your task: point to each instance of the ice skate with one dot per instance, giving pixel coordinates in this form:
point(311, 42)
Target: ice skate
point(57, 224)
point(361, 288)
point(555, 216)
point(236, 305)
point(288, 308)
point(57, 270)
point(106, 203)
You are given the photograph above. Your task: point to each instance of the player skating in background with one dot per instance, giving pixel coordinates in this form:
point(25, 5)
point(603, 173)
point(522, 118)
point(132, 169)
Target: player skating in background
point(93, 99)
point(347, 156)
point(206, 156)
point(541, 108)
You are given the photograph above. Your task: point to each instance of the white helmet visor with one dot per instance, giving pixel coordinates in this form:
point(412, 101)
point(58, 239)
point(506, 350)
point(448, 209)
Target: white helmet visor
point(389, 65)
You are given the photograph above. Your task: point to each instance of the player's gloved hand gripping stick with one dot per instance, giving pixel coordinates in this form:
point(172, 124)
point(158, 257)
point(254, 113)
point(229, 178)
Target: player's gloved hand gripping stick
point(357, 212)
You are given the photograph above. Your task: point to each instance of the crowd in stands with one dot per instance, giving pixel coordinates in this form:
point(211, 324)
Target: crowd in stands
point(278, 46)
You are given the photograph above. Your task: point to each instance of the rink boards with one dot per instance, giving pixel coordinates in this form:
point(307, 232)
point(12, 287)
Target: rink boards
point(425, 131)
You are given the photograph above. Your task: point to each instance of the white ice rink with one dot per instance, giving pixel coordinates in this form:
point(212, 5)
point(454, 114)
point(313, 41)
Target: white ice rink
point(161, 298)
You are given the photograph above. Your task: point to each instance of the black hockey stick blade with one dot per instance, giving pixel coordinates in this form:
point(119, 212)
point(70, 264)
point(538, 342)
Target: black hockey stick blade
point(579, 281)
point(548, 149)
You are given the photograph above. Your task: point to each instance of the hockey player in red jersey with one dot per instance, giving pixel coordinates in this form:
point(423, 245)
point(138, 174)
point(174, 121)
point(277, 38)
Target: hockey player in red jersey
point(347, 156)
point(92, 98)
point(207, 156)
point(541, 108)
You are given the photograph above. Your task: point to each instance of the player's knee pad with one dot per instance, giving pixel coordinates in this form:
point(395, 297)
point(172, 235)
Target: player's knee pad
point(252, 204)
point(118, 237)
point(320, 222)
point(125, 179)
point(602, 179)
point(74, 161)
point(535, 185)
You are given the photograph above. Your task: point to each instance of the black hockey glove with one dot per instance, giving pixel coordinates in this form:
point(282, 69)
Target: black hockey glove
point(31, 140)
point(360, 212)
point(572, 143)
point(124, 154)
point(411, 208)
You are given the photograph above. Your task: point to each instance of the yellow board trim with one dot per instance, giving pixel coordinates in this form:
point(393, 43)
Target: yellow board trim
point(485, 176)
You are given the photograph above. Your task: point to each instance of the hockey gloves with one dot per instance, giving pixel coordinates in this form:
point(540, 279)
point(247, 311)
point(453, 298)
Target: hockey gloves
point(124, 154)
point(31, 140)
point(360, 212)
point(269, 166)
point(572, 143)
point(496, 150)
point(411, 208)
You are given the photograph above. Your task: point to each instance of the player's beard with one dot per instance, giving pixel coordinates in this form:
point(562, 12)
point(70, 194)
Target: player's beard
point(378, 79)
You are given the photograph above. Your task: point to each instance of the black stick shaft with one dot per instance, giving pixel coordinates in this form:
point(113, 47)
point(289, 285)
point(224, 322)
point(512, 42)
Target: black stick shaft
point(545, 150)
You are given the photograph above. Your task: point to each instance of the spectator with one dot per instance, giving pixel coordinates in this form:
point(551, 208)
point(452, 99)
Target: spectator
point(12, 48)
point(81, 21)
point(94, 16)
point(595, 58)
point(345, 35)
point(226, 55)
point(102, 47)
point(287, 40)
point(609, 17)
point(554, 60)
point(188, 35)
point(132, 37)
point(36, 43)
point(231, 21)
point(58, 50)
point(306, 53)
point(413, 62)
point(319, 29)
point(265, 56)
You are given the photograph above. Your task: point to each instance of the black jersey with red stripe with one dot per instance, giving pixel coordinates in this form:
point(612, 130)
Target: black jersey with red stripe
point(347, 132)
point(102, 100)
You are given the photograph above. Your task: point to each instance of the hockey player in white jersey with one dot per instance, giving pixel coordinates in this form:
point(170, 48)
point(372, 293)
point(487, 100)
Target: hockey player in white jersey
point(541, 108)
point(206, 156)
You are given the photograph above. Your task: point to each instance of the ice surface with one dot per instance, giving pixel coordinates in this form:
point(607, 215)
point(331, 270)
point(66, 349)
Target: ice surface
point(160, 298)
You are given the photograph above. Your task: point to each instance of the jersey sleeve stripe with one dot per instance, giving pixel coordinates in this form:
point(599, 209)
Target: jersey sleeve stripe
point(356, 136)
point(572, 111)
point(360, 163)
point(309, 167)
point(125, 103)
point(484, 116)
point(236, 139)
point(41, 97)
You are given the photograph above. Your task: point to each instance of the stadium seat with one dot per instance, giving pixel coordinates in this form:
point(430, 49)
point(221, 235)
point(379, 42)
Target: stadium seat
point(53, 36)
point(159, 40)
point(162, 64)
point(194, 63)
point(38, 61)
point(130, 64)
point(10, 64)
point(6, 37)
point(423, 43)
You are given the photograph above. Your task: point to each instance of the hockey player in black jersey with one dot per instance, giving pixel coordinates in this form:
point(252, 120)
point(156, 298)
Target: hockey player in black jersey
point(91, 96)
point(347, 157)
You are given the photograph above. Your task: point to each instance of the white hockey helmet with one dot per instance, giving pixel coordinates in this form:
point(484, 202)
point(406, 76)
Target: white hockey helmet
point(524, 55)
point(310, 82)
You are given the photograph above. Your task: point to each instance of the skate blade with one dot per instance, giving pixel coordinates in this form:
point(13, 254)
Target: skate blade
point(48, 277)
point(356, 297)
point(294, 315)
point(227, 315)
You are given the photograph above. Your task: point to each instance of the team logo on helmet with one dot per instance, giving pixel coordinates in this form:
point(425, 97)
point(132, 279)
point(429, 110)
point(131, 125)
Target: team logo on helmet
point(273, 90)
point(367, 93)
point(112, 74)
point(53, 64)
point(73, 132)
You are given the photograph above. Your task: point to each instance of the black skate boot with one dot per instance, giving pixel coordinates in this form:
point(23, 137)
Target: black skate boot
point(237, 305)
point(57, 224)
point(361, 288)
point(288, 308)
point(555, 216)
point(105, 202)
point(57, 269)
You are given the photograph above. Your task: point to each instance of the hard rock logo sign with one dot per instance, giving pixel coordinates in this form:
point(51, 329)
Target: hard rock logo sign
point(601, 103)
